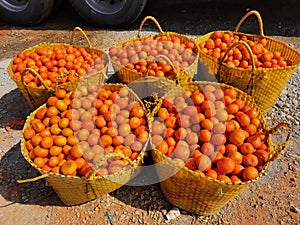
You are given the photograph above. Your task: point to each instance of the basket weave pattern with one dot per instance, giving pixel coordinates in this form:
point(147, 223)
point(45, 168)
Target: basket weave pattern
point(190, 191)
point(73, 190)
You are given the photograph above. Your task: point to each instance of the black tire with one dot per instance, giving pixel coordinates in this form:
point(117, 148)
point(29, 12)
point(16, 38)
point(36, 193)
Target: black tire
point(25, 12)
point(115, 13)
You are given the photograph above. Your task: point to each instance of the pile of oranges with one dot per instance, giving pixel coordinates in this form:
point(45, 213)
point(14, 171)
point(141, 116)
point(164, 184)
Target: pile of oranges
point(212, 132)
point(139, 54)
point(51, 61)
point(219, 42)
point(75, 130)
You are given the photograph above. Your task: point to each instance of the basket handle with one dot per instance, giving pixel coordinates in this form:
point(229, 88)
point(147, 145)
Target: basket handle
point(33, 179)
point(103, 160)
point(58, 79)
point(36, 74)
point(260, 23)
point(153, 20)
point(155, 60)
point(281, 146)
point(253, 68)
point(84, 35)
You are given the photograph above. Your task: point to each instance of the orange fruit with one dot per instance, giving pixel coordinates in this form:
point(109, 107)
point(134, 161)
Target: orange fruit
point(52, 111)
point(224, 178)
point(105, 140)
point(255, 140)
point(28, 133)
point(247, 148)
point(60, 140)
point(225, 165)
point(61, 93)
point(243, 119)
point(191, 164)
point(46, 142)
point(45, 133)
point(251, 129)
point(76, 151)
point(39, 161)
point(51, 100)
point(61, 105)
point(205, 135)
point(262, 156)
point(53, 161)
point(182, 152)
point(69, 167)
point(80, 162)
point(203, 163)
point(237, 170)
point(237, 157)
point(237, 137)
point(40, 114)
point(230, 148)
point(250, 173)
point(36, 140)
point(55, 129)
point(38, 126)
point(41, 152)
point(212, 173)
point(235, 179)
point(250, 160)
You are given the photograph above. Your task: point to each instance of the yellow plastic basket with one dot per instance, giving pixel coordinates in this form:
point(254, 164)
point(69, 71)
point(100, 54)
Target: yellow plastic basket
point(74, 190)
point(36, 96)
point(126, 75)
point(267, 83)
point(203, 195)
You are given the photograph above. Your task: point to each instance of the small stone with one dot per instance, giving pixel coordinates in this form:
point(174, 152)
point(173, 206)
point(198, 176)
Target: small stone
point(295, 210)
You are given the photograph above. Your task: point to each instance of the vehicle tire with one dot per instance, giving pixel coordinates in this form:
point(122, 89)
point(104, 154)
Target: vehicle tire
point(25, 12)
point(115, 13)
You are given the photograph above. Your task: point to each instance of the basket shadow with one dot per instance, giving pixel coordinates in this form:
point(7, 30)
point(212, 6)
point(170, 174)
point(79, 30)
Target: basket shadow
point(143, 191)
point(13, 105)
point(14, 167)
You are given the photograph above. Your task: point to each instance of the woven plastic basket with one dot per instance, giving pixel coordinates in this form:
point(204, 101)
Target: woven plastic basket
point(126, 75)
point(267, 82)
point(203, 195)
point(36, 96)
point(73, 190)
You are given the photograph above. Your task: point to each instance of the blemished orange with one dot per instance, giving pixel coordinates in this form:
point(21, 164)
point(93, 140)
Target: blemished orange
point(247, 148)
point(250, 160)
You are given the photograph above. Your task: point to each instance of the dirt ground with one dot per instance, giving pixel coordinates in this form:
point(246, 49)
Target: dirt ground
point(275, 199)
